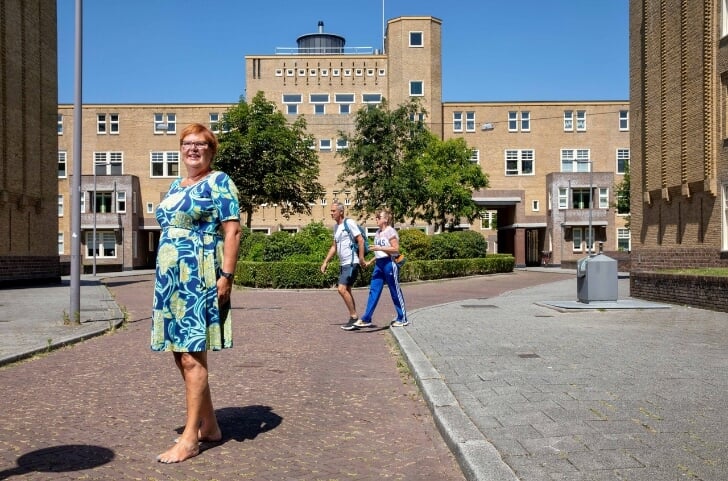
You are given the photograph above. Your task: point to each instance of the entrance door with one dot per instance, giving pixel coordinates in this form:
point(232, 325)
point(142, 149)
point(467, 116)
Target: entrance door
point(533, 254)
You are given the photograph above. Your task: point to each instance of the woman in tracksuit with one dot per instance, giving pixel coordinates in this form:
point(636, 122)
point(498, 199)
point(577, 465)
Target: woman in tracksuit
point(385, 248)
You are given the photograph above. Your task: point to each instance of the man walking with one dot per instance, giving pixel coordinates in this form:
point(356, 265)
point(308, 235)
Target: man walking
point(349, 262)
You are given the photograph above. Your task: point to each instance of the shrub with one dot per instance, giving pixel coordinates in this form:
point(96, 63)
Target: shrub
point(414, 243)
point(471, 244)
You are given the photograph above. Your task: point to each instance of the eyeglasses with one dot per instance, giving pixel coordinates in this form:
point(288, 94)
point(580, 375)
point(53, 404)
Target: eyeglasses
point(198, 145)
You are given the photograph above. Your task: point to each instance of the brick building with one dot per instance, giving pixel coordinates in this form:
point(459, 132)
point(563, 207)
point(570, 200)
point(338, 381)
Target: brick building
point(546, 160)
point(679, 98)
point(28, 103)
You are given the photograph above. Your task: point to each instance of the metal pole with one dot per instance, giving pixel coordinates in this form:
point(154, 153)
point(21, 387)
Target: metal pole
point(591, 204)
point(94, 208)
point(75, 307)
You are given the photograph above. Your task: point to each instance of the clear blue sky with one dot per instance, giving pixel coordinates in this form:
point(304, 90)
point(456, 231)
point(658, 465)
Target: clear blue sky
point(170, 51)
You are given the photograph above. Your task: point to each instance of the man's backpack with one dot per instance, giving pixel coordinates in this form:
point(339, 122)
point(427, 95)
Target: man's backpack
point(354, 244)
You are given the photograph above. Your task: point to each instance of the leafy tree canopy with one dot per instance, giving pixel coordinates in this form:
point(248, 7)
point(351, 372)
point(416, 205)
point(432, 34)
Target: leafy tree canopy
point(269, 159)
point(393, 160)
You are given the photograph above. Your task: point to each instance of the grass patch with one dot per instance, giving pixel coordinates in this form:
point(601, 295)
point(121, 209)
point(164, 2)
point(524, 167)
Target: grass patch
point(701, 271)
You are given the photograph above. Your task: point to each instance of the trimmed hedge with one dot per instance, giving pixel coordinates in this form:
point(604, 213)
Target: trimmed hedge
point(300, 275)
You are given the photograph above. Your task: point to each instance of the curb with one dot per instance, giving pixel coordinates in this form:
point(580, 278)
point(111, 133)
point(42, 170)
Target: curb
point(477, 457)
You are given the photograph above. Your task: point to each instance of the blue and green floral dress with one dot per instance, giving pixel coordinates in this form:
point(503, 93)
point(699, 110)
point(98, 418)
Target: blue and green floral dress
point(186, 316)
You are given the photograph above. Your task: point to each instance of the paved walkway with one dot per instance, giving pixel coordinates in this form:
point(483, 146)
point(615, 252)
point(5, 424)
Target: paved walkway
point(518, 390)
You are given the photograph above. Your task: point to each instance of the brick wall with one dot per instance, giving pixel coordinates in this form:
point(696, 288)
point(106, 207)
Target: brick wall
point(25, 270)
point(704, 292)
point(646, 259)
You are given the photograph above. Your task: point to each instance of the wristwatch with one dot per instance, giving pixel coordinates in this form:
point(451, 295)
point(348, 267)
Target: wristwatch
point(226, 275)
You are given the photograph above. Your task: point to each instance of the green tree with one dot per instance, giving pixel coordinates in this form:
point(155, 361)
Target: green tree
point(381, 162)
point(449, 180)
point(622, 193)
point(269, 159)
point(393, 160)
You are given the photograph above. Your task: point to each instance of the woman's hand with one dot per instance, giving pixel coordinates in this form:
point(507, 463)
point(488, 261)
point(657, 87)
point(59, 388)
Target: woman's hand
point(224, 288)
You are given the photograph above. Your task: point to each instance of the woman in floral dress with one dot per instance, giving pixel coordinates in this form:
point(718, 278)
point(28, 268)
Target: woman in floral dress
point(198, 250)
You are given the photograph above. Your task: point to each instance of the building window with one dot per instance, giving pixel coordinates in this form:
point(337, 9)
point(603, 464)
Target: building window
point(121, 202)
point(108, 163)
point(519, 121)
point(324, 72)
point(62, 165)
point(102, 202)
point(381, 72)
point(60, 206)
point(488, 219)
point(165, 164)
point(114, 124)
point(581, 120)
point(371, 98)
point(512, 121)
point(301, 72)
point(290, 72)
point(475, 156)
point(470, 121)
point(577, 239)
point(83, 202)
point(319, 102)
point(623, 120)
point(580, 198)
point(165, 123)
point(535, 206)
point(575, 160)
point(344, 101)
point(568, 120)
point(416, 88)
point(100, 123)
point(563, 198)
point(358, 72)
point(624, 242)
point(312, 72)
point(416, 39)
point(622, 161)
point(279, 72)
point(457, 121)
point(603, 198)
point(291, 102)
point(519, 162)
point(105, 245)
point(215, 122)
point(150, 208)
point(581, 236)
point(61, 244)
point(341, 144)
point(325, 144)
point(60, 124)
point(347, 72)
point(335, 72)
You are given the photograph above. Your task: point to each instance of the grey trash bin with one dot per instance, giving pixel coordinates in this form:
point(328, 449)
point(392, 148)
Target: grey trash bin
point(596, 278)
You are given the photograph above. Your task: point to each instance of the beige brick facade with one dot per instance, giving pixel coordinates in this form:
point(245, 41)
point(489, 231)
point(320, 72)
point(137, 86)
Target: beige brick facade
point(678, 84)
point(28, 103)
point(538, 207)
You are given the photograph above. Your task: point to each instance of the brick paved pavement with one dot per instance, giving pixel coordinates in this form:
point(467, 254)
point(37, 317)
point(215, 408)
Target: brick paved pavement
point(297, 398)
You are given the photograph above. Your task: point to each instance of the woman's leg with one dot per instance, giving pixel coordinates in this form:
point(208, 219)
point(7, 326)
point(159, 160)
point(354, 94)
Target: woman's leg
point(201, 422)
point(375, 290)
point(392, 277)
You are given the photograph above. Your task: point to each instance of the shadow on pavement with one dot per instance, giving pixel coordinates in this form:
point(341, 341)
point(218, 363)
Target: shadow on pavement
point(241, 423)
point(57, 459)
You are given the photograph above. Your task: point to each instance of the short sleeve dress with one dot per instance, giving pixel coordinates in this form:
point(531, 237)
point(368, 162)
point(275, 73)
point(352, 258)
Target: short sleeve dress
point(185, 314)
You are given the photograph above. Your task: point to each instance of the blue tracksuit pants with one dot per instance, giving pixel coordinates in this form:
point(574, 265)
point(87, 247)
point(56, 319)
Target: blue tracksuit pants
point(385, 271)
